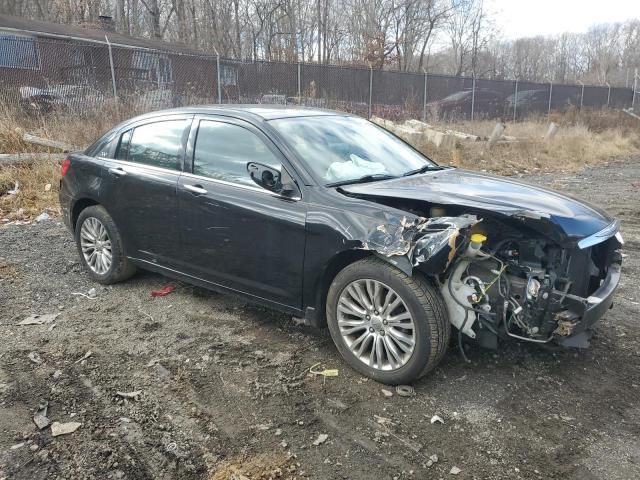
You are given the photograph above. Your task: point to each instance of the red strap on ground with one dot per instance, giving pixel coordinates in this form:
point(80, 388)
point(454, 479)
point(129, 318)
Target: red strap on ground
point(162, 291)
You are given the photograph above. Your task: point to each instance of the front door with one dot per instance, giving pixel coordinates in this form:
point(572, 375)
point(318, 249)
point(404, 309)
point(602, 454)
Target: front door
point(233, 232)
point(140, 186)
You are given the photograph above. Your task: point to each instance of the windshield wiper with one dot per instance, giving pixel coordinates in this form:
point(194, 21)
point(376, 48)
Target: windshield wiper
point(366, 178)
point(423, 169)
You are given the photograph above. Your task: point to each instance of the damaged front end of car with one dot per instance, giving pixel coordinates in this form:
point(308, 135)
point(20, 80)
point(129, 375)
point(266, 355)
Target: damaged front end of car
point(502, 278)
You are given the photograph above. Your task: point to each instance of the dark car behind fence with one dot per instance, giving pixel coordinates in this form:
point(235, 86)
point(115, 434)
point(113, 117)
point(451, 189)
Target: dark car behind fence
point(40, 75)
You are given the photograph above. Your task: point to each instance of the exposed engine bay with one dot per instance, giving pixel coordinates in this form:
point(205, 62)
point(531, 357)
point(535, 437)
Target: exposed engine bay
point(509, 283)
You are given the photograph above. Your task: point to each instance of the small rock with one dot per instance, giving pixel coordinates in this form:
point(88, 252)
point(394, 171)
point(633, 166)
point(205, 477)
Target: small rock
point(17, 446)
point(39, 319)
point(34, 447)
point(130, 395)
point(47, 187)
point(278, 432)
point(321, 439)
point(434, 458)
point(92, 293)
point(64, 428)
point(41, 420)
point(35, 357)
point(57, 374)
point(387, 393)
point(284, 444)
point(454, 471)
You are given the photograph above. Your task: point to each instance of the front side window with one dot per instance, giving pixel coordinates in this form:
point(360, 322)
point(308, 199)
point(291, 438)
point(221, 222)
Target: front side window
point(222, 151)
point(157, 144)
point(339, 149)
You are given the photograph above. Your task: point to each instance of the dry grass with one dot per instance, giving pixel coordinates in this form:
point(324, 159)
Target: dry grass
point(583, 139)
point(38, 190)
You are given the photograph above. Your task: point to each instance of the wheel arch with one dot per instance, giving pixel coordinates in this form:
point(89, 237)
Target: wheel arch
point(78, 206)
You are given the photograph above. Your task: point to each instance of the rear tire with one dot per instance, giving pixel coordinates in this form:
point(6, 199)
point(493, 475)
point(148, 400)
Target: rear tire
point(101, 248)
point(424, 321)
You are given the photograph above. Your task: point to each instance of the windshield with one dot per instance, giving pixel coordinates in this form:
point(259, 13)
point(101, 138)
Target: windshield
point(343, 149)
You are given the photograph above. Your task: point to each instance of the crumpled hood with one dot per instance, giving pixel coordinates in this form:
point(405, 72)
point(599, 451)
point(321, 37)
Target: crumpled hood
point(574, 218)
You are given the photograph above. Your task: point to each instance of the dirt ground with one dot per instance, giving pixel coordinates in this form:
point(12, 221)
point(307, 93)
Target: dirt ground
point(223, 389)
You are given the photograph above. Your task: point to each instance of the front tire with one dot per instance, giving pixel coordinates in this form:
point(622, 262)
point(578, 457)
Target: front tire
point(387, 325)
point(100, 247)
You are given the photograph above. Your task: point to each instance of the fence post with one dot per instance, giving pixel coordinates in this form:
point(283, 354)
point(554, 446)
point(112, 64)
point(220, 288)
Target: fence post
point(113, 71)
point(635, 88)
point(515, 101)
point(299, 85)
point(473, 96)
point(581, 94)
point(608, 94)
point(626, 82)
point(424, 98)
point(218, 74)
point(550, 94)
point(370, 88)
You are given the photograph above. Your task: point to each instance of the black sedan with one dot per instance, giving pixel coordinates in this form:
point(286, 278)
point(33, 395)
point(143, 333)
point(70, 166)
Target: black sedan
point(331, 218)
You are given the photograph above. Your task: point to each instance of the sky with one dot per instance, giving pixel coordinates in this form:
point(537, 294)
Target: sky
point(519, 18)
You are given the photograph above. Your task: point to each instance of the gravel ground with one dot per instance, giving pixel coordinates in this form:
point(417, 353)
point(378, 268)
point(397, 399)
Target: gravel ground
point(222, 387)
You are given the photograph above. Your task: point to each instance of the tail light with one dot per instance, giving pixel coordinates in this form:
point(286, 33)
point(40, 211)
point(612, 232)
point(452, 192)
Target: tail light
point(64, 168)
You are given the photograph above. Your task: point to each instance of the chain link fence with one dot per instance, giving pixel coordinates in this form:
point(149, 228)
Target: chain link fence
point(40, 75)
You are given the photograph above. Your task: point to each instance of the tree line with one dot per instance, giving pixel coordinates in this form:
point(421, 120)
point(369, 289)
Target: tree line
point(456, 37)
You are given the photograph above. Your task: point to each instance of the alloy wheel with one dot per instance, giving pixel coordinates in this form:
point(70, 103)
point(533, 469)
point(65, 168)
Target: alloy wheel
point(376, 324)
point(96, 245)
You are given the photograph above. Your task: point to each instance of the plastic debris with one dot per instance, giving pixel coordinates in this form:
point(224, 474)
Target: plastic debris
point(47, 187)
point(15, 190)
point(64, 428)
point(163, 291)
point(333, 372)
point(86, 355)
point(321, 439)
point(132, 395)
point(454, 471)
point(39, 319)
point(405, 390)
point(436, 419)
point(42, 217)
point(92, 293)
point(387, 393)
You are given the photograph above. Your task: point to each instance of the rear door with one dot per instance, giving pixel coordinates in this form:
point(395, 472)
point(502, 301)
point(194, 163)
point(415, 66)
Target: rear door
point(233, 232)
point(140, 186)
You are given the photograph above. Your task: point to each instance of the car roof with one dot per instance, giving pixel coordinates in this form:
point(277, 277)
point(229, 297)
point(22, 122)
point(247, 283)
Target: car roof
point(255, 112)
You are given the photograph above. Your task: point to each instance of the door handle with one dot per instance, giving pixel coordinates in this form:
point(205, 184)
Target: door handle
point(117, 171)
point(196, 189)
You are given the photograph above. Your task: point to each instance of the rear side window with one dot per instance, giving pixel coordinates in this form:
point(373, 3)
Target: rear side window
point(222, 151)
point(157, 144)
point(102, 148)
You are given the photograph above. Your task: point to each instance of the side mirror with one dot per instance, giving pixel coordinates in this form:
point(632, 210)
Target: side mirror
point(271, 179)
